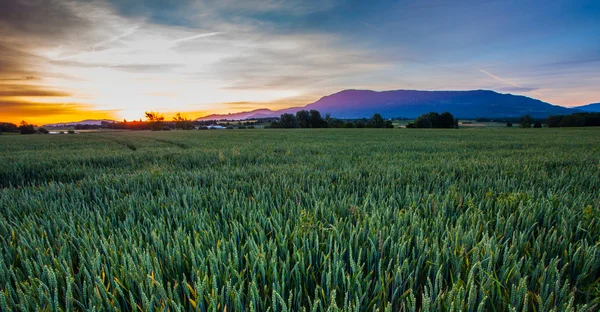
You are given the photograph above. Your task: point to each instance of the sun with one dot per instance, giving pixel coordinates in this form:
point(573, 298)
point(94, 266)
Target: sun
point(132, 114)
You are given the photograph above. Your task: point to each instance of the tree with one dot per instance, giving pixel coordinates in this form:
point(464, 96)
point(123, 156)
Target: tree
point(303, 117)
point(376, 121)
point(182, 122)
point(156, 120)
point(316, 121)
point(389, 124)
point(429, 120)
point(434, 120)
point(509, 124)
point(525, 121)
point(288, 121)
point(423, 122)
point(43, 131)
point(446, 120)
point(537, 124)
point(8, 127)
point(26, 128)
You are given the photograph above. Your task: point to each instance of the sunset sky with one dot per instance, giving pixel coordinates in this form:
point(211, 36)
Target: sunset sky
point(74, 60)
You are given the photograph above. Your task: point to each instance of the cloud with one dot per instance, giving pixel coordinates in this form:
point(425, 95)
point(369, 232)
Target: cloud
point(505, 81)
point(31, 91)
point(516, 89)
point(40, 113)
point(371, 26)
point(512, 87)
point(196, 37)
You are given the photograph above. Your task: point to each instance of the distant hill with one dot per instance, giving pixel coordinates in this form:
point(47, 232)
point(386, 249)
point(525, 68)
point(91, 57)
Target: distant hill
point(241, 115)
point(592, 108)
point(412, 103)
point(83, 122)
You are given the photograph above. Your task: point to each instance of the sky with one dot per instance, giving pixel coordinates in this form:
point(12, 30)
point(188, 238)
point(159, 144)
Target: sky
point(65, 60)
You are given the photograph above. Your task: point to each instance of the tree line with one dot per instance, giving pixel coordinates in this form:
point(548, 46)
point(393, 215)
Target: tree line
point(314, 119)
point(574, 120)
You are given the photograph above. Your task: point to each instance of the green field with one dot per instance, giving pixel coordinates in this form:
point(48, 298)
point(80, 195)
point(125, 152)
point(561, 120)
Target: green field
point(291, 220)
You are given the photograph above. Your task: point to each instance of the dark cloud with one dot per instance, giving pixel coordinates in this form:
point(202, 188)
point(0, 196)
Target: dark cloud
point(39, 18)
point(21, 107)
point(31, 91)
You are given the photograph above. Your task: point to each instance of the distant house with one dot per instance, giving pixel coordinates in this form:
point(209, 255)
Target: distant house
point(216, 127)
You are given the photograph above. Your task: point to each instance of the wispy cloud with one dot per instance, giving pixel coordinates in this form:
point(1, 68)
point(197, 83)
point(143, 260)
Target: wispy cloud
point(514, 87)
point(180, 40)
point(371, 26)
point(505, 81)
point(118, 37)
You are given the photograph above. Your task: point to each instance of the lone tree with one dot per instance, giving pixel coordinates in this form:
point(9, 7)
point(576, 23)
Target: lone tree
point(376, 121)
point(156, 120)
point(26, 128)
point(525, 121)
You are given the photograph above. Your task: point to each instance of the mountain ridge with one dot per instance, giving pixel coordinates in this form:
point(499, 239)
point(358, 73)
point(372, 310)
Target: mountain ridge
point(589, 108)
point(356, 103)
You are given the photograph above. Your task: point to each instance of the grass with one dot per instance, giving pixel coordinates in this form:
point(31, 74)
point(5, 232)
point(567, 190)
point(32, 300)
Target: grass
point(291, 220)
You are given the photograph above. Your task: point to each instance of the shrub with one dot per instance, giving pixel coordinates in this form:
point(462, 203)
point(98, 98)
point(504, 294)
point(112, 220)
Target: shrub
point(43, 131)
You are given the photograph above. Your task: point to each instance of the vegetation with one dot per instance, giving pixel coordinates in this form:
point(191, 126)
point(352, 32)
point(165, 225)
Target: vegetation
point(313, 119)
point(8, 127)
point(488, 220)
point(434, 120)
point(182, 123)
point(156, 121)
point(574, 120)
point(526, 121)
point(25, 128)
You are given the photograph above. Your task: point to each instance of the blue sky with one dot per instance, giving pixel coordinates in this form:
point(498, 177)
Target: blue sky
point(120, 58)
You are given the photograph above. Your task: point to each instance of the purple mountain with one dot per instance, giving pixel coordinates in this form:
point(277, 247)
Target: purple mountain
point(591, 108)
point(412, 103)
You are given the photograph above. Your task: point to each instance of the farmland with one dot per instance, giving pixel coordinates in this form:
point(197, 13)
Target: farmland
point(292, 220)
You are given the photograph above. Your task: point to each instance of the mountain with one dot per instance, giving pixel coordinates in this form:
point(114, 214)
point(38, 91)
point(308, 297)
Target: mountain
point(83, 122)
point(242, 115)
point(591, 108)
point(412, 103)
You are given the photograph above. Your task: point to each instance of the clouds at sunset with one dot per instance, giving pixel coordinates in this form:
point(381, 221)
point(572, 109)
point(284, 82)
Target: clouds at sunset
point(117, 59)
